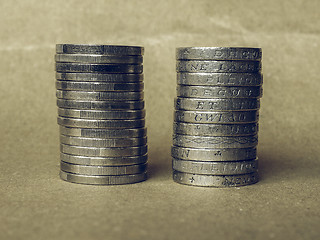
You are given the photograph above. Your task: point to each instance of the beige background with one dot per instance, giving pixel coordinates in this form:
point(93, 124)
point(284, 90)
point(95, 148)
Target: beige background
point(36, 204)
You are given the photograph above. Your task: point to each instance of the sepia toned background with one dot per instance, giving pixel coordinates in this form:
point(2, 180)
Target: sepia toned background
point(36, 204)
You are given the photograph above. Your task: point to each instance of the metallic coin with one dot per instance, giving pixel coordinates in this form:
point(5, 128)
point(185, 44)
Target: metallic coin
point(98, 142)
point(107, 68)
point(216, 117)
point(99, 77)
point(219, 53)
point(103, 180)
point(89, 123)
point(98, 114)
point(215, 168)
point(218, 92)
point(224, 104)
point(91, 58)
point(215, 181)
point(219, 66)
point(104, 161)
point(99, 49)
point(209, 154)
point(215, 142)
point(101, 105)
point(98, 86)
point(103, 133)
point(102, 170)
point(220, 79)
point(203, 129)
point(99, 96)
point(104, 152)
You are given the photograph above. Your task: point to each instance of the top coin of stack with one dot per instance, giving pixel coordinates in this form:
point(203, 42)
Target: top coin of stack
point(101, 113)
point(216, 117)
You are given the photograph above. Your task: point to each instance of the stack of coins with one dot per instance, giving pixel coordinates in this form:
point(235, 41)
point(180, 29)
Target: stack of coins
point(216, 116)
point(101, 114)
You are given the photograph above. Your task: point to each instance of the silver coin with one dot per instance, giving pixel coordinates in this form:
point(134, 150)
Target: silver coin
point(215, 142)
point(99, 49)
point(203, 129)
point(100, 77)
point(107, 68)
point(215, 168)
point(98, 86)
point(218, 92)
point(216, 117)
point(224, 104)
point(102, 170)
point(93, 58)
point(101, 105)
point(89, 123)
point(215, 181)
point(210, 154)
point(219, 66)
point(104, 161)
point(103, 152)
point(100, 96)
point(103, 180)
point(98, 114)
point(220, 79)
point(103, 133)
point(98, 142)
point(219, 53)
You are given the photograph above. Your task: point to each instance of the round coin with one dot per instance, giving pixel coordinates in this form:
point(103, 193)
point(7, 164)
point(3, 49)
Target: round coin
point(98, 86)
point(99, 49)
point(215, 181)
point(93, 58)
point(104, 161)
point(210, 154)
point(107, 68)
point(103, 180)
point(99, 77)
point(219, 66)
point(215, 142)
point(102, 170)
point(215, 168)
point(219, 53)
point(103, 152)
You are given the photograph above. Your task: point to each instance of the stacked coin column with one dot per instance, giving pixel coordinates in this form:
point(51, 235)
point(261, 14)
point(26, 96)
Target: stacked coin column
point(216, 117)
point(101, 114)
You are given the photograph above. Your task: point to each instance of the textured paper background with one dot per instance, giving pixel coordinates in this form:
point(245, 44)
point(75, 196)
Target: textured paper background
point(36, 204)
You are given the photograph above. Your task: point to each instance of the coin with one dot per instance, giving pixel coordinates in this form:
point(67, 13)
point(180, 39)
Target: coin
point(215, 129)
point(219, 53)
point(102, 170)
point(98, 142)
point(224, 104)
point(103, 133)
point(218, 92)
point(98, 86)
point(104, 161)
point(216, 117)
point(211, 154)
point(99, 114)
point(215, 181)
point(215, 142)
point(93, 58)
point(99, 49)
point(220, 79)
point(105, 105)
point(100, 77)
point(215, 168)
point(103, 152)
point(103, 180)
point(108, 68)
point(219, 66)
point(89, 123)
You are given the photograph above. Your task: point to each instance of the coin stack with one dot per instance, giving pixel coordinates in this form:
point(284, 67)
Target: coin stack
point(101, 114)
point(216, 116)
